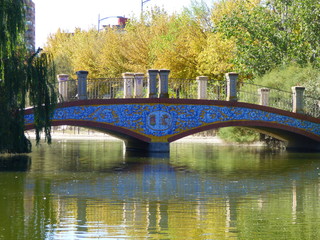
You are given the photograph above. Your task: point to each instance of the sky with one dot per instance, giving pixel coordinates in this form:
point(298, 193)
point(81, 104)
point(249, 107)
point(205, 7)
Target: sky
point(70, 14)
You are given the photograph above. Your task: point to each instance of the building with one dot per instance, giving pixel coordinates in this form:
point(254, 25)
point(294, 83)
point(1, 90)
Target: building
point(30, 34)
point(122, 21)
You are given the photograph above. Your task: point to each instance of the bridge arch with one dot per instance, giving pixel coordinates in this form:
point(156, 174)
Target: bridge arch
point(151, 124)
point(293, 138)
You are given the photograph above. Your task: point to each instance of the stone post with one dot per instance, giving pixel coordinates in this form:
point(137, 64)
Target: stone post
point(128, 85)
point(138, 85)
point(82, 84)
point(297, 96)
point(164, 82)
point(152, 83)
point(63, 87)
point(202, 87)
point(264, 96)
point(232, 86)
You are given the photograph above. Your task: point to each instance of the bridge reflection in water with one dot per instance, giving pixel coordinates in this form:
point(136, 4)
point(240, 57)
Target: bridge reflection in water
point(150, 124)
point(171, 198)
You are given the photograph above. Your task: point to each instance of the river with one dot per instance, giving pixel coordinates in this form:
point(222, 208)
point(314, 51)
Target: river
point(91, 189)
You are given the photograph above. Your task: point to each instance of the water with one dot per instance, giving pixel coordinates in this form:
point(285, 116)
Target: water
point(89, 189)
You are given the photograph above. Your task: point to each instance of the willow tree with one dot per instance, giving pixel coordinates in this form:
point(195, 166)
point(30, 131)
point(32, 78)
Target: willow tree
point(24, 76)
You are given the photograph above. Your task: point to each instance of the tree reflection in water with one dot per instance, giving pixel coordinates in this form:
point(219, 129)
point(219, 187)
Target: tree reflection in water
point(92, 190)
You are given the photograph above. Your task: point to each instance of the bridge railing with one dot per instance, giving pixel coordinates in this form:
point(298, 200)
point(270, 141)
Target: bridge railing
point(200, 88)
point(68, 90)
point(253, 93)
point(216, 90)
point(108, 88)
point(277, 98)
point(188, 89)
point(312, 106)
point(105, 88)
point(183, 88)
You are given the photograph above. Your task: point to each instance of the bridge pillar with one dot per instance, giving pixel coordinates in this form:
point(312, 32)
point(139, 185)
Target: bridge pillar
point(128, 84)
point(264, 96)
point(232, 86)
point(138, 85)
point(63, 87)
point(82, 84)
point(297, 99)
point(202, 87)
point(164, 79)
point(144, 147)
point(152, 83)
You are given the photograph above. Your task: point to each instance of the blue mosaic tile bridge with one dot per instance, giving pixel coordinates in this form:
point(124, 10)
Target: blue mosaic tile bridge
point(151, 124)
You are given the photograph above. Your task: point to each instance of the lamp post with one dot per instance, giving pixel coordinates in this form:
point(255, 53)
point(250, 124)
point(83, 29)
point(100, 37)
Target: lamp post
point(142, 3)
point(101, 19)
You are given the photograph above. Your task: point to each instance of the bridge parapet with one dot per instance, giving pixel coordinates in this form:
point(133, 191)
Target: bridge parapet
point(158, 84)
point(294, 101)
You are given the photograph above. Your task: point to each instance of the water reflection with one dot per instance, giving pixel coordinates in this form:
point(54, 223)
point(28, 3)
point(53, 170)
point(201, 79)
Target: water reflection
point(139, 154)
point(15, 163)
point(91, 190)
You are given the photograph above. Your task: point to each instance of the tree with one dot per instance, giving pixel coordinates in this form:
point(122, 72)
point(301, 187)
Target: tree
point(216, 58)
point(112, 61)
point(257, 44)
point(272, 33)
point(22, 74)
point(60, 47)
point(76, 51)
point(179, 46)
point(156, 40)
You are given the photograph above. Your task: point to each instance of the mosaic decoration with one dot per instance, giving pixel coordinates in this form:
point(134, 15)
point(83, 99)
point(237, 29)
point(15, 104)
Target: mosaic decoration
point(165, 120)
point(159, 120)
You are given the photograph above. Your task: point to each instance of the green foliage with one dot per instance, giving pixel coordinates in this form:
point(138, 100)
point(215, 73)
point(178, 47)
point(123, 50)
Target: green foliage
point(12, 94)
point(42, 95)
point(273, 33)
point(287, 76)
point(239, 135)
point(11, 24)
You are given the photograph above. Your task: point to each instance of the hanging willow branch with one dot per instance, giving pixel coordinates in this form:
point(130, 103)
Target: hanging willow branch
point(22, 74)
point(42, 95)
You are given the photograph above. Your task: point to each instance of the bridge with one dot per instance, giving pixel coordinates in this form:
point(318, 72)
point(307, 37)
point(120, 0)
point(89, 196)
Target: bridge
point(151, 124)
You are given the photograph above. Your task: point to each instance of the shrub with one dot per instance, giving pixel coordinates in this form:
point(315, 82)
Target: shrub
point(238, 134)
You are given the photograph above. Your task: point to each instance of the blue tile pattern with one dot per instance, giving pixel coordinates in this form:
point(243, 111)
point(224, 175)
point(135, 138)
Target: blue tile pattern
point(160, 120)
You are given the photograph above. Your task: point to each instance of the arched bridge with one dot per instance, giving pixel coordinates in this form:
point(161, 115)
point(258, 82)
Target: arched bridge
point(152, 123)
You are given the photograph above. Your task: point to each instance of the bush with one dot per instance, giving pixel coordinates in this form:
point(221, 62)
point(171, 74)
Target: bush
point(239, 135)
point(288, 76)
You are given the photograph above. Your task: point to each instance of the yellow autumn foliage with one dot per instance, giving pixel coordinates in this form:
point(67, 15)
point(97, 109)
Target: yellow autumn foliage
point(226, 7)
point(215, 59)
point(158, 40)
